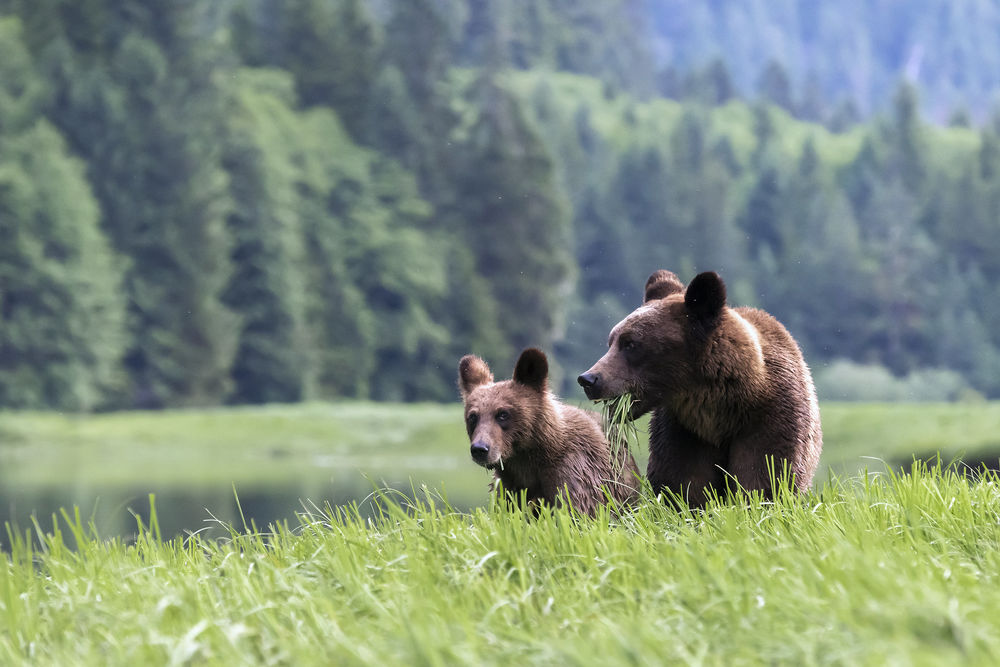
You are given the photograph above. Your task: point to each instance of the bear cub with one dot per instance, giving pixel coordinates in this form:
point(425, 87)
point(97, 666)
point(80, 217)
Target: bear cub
point(535, 444)
point(730, 394)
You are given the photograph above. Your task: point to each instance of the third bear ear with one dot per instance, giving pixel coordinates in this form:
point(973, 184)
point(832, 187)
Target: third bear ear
point(706, 297)
point(532, 369)
point(662, 284)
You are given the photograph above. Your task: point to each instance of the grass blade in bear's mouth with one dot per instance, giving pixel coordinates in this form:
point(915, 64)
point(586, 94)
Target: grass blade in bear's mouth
point(619, 425)
point(618, 410)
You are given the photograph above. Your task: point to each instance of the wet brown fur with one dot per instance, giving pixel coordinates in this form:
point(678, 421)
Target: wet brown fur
point(728, 390)
point(549, 450)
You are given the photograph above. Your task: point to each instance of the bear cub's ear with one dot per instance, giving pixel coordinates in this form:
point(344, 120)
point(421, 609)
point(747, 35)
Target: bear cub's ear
point(662, 284)
point(472, 372)
point(532, 369)
point(706, 297)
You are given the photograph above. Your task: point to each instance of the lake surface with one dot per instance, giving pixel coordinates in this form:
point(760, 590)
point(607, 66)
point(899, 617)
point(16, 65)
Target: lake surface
point(226, 466)
point(186, 509)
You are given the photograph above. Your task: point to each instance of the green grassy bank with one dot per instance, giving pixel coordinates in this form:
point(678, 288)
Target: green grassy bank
point(288, 443)
point(889, 569)
point(895, 570)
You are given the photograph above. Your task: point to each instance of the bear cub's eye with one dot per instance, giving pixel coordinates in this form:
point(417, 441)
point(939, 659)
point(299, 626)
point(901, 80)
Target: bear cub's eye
point(471, 421)
point(502, 416)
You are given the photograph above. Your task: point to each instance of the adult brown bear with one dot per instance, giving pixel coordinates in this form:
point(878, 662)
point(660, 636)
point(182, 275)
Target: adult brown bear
point(731, 396)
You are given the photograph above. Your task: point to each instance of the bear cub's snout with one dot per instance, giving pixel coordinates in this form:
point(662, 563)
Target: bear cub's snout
point(480, 452)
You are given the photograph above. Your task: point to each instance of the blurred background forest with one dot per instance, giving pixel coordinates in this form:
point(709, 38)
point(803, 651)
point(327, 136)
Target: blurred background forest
point(249, 201)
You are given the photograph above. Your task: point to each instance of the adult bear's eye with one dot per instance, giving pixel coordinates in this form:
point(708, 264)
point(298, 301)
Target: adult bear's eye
point(628, 345)
point(471, 421)
point(502, 416)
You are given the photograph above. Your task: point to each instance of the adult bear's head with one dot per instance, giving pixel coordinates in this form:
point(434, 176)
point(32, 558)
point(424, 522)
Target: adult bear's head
point(662, 347)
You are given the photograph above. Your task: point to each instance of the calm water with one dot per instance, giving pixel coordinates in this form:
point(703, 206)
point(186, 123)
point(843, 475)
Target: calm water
point(183, 510)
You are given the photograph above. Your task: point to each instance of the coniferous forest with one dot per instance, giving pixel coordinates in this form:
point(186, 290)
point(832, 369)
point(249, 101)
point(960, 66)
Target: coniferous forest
point(252, 201)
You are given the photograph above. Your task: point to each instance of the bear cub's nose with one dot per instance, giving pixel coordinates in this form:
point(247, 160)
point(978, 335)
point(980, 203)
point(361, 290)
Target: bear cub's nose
point(589, 383)
point(479, 451)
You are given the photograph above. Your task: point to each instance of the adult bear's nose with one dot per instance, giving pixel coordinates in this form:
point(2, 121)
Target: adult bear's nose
point(589, 383)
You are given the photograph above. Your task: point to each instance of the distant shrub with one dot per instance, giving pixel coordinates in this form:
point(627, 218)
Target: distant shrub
point(843, 380)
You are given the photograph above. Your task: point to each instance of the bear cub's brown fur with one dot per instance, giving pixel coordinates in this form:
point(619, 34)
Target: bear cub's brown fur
point(537, 445)
point(728, 389)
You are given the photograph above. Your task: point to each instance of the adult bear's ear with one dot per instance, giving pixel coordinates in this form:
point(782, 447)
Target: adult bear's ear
point(705, 298)
point(472, 372)
point(661, 284)
point(532, 369)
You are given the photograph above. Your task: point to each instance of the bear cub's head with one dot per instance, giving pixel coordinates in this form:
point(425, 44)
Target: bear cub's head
point(658, 350)
point(501, 417)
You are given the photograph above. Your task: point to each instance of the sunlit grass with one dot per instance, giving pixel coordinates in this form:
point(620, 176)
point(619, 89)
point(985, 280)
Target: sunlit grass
point(276, 442)
point(896, 569)
point(621, 430)
point(875, 434)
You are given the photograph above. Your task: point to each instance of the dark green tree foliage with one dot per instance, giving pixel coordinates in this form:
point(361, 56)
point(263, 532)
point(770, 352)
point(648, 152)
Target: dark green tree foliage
point(516, 219)
point(762, 216)
point(61, 311)
point(713, 85)
point(606, 39)
point(774, 86)
point(393, 261)
point(413, 106)
point(701, 194)
point(339, 198)
point(641, 195)
point(332, 48)
point(815, 242)
point(418, 43)
point(335, 272)
point(274, 361)
point(904, 140)
point(144, 111)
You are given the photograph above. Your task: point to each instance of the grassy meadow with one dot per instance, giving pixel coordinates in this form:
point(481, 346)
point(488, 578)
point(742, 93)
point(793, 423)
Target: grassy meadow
point(896, 570)
point(889, 568)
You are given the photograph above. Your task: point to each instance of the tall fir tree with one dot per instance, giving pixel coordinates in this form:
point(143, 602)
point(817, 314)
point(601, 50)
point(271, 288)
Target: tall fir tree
point(516, 219)
point(144, 111)
point(62, 316)
point(333, 49)
point(274, 361)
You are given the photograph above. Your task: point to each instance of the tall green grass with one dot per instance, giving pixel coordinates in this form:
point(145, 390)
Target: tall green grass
point(620, 429)
point(891, 569)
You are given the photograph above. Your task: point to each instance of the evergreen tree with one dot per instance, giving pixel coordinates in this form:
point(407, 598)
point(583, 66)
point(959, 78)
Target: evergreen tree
point(711, 85)
point(61, 311)
point(274, 361)
point(700, 192)
point(144, 112)
point(762, 217)
point(819, 288)
point(641, 196)
point(811, 104)
point(333, 49)
point(904, 138)
point(375, 268)
point(774, 86)
point(516, 219)
point(844, 116)
point(413, 106)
